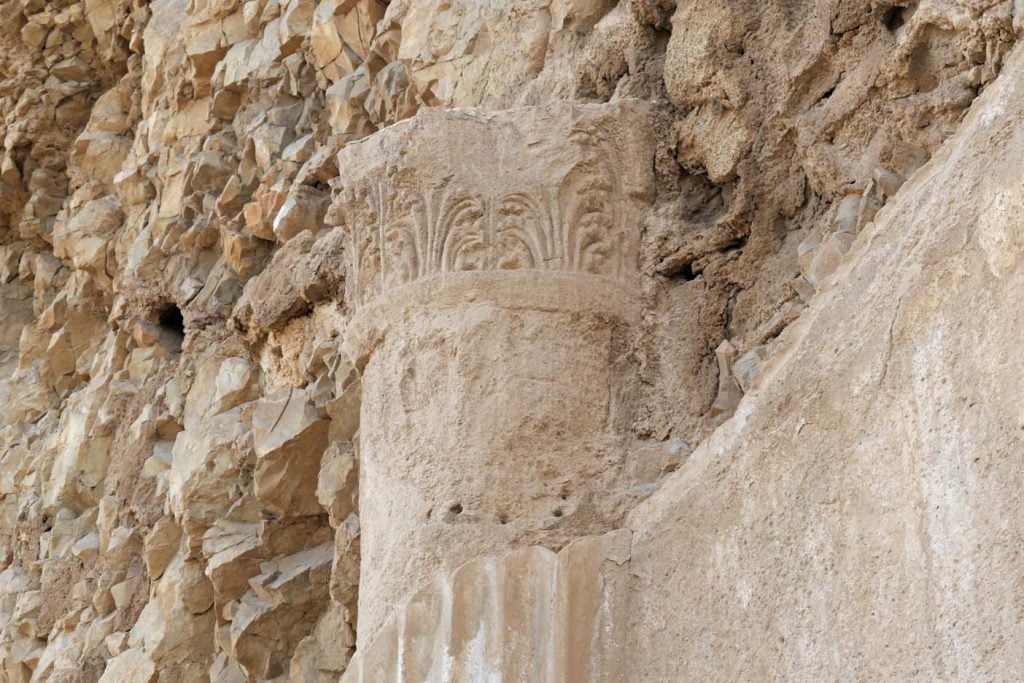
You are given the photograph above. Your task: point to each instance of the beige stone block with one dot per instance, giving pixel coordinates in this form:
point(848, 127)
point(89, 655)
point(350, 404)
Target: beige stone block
point(233, 551)
point(236, 383)
point(130, 665)
point(290, 436)
point(34, 34)
point(324, 653)
point(160, 546)
point(204, 471)
point(115, 642)
point(579, 15)
point(337, 481)
point(296, 21)
point(346, 100)
point(280, 611)
point(123, 592)
point(84, 237)
point(87, 547)
point(304, 209)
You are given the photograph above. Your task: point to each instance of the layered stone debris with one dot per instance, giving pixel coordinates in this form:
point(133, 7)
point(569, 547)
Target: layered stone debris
point(494, 275)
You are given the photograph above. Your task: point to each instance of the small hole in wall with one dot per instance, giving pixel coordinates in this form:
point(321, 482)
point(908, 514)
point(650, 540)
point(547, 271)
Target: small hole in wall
point(456, 509)
point(171, 320)
point(557, 512)
point(895, 18)
point(685, 273)
point(502, 518)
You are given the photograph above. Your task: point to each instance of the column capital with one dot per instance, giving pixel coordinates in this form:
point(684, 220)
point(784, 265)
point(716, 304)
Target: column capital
point(560, 188)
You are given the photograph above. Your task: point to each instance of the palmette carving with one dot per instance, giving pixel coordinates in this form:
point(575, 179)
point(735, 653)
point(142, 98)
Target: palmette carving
point(398, 234)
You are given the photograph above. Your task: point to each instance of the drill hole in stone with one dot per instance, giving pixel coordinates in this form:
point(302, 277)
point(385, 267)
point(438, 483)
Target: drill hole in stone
point(456, 509)
point(557, 513)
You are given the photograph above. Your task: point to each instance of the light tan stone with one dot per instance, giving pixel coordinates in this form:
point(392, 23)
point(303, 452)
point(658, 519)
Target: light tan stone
point(855, 508)
point(280, 610)
point(438, 40)
point(84, 239)
point(130, 665)
point(236, 383)
point(289, 437)
point(203, 476)
point(337, 481)
point(564, 249)
point(347, 100)
point(161, 546)
point(342, 34)
point(233, 551)
point(529, 614)
point(175, 628)
point(324, 654)
point(304, 209)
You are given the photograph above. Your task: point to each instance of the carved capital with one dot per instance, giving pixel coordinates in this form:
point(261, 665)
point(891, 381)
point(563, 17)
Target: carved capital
point(560, 188)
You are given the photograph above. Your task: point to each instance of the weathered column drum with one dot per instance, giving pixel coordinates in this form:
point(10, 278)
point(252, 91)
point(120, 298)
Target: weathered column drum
point(493, 286)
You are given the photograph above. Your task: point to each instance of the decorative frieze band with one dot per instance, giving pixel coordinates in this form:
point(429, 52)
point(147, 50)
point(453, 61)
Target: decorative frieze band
point(427, 201)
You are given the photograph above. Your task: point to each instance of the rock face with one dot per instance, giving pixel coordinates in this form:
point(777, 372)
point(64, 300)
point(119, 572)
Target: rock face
point(562, 340)
point(863, 499)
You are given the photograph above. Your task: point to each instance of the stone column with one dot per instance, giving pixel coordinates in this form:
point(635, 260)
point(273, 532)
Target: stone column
point(493, 289)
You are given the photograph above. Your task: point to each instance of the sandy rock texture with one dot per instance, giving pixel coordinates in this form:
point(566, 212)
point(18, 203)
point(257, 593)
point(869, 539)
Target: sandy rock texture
point(430, 335)
point(865, 497)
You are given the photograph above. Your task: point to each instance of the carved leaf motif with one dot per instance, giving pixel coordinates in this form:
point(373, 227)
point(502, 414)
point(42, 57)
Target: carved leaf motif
point(471, 254)
point(404, 230)
point(360, 221)
point(589, 220)
point(367, 254)
point(399, 255)
point(519, 233)
point(463, 230)
point(416, 233)
point(596, 252)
